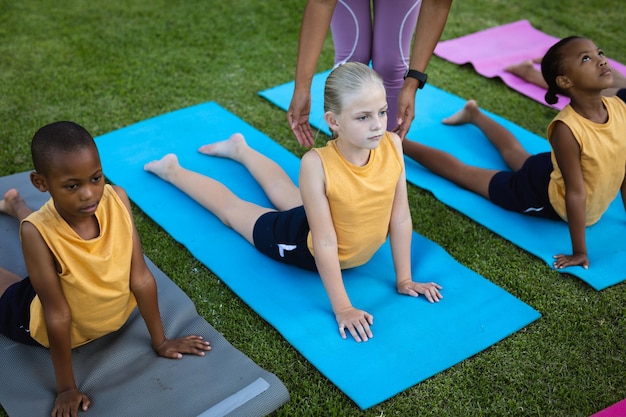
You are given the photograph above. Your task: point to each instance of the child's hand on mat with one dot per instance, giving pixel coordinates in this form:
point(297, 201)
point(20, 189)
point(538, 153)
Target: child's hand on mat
point(357, 322)
point(571, 260)
point(414, 289)
point(174, 348)
point(68, 402)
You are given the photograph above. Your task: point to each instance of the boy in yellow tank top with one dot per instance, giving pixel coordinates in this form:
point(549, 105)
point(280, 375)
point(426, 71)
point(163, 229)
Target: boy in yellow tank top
point(85, 263)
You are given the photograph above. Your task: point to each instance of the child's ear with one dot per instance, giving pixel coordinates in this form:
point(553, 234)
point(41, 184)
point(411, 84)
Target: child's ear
point(563, 82)
point(331, 120)
point(38, 181)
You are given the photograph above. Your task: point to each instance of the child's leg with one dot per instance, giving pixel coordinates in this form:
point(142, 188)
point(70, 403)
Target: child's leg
point(214, 196)
point(507, 145)
point(7, 278)
point(447, 166)
point(275, 182)
point(13, 205)
point(527, 72)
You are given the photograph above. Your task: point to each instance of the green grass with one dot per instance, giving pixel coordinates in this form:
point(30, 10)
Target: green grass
point(110, 64)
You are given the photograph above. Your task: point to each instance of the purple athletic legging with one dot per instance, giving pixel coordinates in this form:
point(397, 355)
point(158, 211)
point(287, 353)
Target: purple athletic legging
point(382, 37)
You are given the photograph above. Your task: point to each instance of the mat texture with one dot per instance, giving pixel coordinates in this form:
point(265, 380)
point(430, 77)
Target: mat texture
point(491, 50)
point(542, 238)
point(120, 372)
point(473, 315)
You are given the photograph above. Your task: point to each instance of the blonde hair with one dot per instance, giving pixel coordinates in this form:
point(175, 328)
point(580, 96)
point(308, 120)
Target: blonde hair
point(345, 80)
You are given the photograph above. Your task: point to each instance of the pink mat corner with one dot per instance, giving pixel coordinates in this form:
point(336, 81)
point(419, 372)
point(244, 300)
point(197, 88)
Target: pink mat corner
point(616, 410)
point(491, 50)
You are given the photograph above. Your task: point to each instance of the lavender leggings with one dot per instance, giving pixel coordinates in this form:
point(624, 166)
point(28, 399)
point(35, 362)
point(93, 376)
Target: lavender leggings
point(382, 37)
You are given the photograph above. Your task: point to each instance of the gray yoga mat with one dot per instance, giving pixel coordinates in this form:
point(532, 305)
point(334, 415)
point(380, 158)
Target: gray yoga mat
point(120, 372)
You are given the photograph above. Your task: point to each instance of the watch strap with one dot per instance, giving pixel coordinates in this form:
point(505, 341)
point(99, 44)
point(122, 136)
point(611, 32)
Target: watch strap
point(418, 75)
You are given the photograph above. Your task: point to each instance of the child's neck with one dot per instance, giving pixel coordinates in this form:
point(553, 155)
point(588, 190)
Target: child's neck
point(86, 228)
point(355, 155)
point(591, 108)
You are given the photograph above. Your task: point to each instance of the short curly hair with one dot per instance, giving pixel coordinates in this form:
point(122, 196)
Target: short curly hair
point(57, 138)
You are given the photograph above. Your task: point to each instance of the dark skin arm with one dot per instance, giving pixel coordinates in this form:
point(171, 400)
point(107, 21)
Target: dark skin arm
point(143, 286)
point(313, 30)
point(41, 268)
point(567, 153)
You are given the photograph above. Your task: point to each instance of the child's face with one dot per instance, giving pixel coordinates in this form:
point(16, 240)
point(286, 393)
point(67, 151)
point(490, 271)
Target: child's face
point(75, 182)
point(363, 120)
point(585, 65)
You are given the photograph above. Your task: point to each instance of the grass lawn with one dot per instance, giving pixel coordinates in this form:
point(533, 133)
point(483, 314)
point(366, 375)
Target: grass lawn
point(108, 64)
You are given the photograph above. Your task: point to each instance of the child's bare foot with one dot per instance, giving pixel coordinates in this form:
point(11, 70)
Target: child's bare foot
point(527, 72)
point(229, 148)
point(466, 115)
point(14, 205)
point(164, 167)
point(521, 69)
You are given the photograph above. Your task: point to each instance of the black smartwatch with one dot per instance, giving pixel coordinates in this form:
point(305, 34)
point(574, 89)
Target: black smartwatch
point(418, 75)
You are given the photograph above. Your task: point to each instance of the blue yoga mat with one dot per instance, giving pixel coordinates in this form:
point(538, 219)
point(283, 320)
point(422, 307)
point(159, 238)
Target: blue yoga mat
point(542, 238)
point(474, 314)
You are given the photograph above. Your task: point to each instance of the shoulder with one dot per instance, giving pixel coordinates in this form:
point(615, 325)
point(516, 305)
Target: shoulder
point(34, 246)
point(29, 231)
point(614, 103)
point(395, 140)
point(396, 143)
point(311, 170)
point(560, 123)
point(561, 135)
point(119, 193)
point(311, 160)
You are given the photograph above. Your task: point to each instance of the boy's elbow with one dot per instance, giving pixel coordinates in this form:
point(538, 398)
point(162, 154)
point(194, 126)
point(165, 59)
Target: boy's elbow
point(142, 283)
point(58, 317)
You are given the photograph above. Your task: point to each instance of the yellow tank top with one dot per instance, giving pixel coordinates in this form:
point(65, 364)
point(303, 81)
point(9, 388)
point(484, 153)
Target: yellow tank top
point(360, 199)
point(95, 273)
point(602, 158)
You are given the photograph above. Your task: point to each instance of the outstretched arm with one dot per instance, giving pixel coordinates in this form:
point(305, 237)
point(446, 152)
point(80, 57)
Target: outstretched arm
point(400, 235)
point(313, 30)
point(567, 154)
point(42, 272)
point(312, 186)
point(430, 24)
point(143, 286)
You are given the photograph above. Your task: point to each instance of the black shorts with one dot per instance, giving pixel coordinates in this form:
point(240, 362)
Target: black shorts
point(526, 190)
point(15, 312)
point(282, 235)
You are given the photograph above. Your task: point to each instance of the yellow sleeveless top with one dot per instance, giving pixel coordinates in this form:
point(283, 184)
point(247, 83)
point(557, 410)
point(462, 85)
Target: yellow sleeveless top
point(95, 273)
point(360, 199)
point(602, 158)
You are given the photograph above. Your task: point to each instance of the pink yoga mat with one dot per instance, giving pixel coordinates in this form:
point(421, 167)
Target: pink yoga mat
point(616, 410)
point(492, 50)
